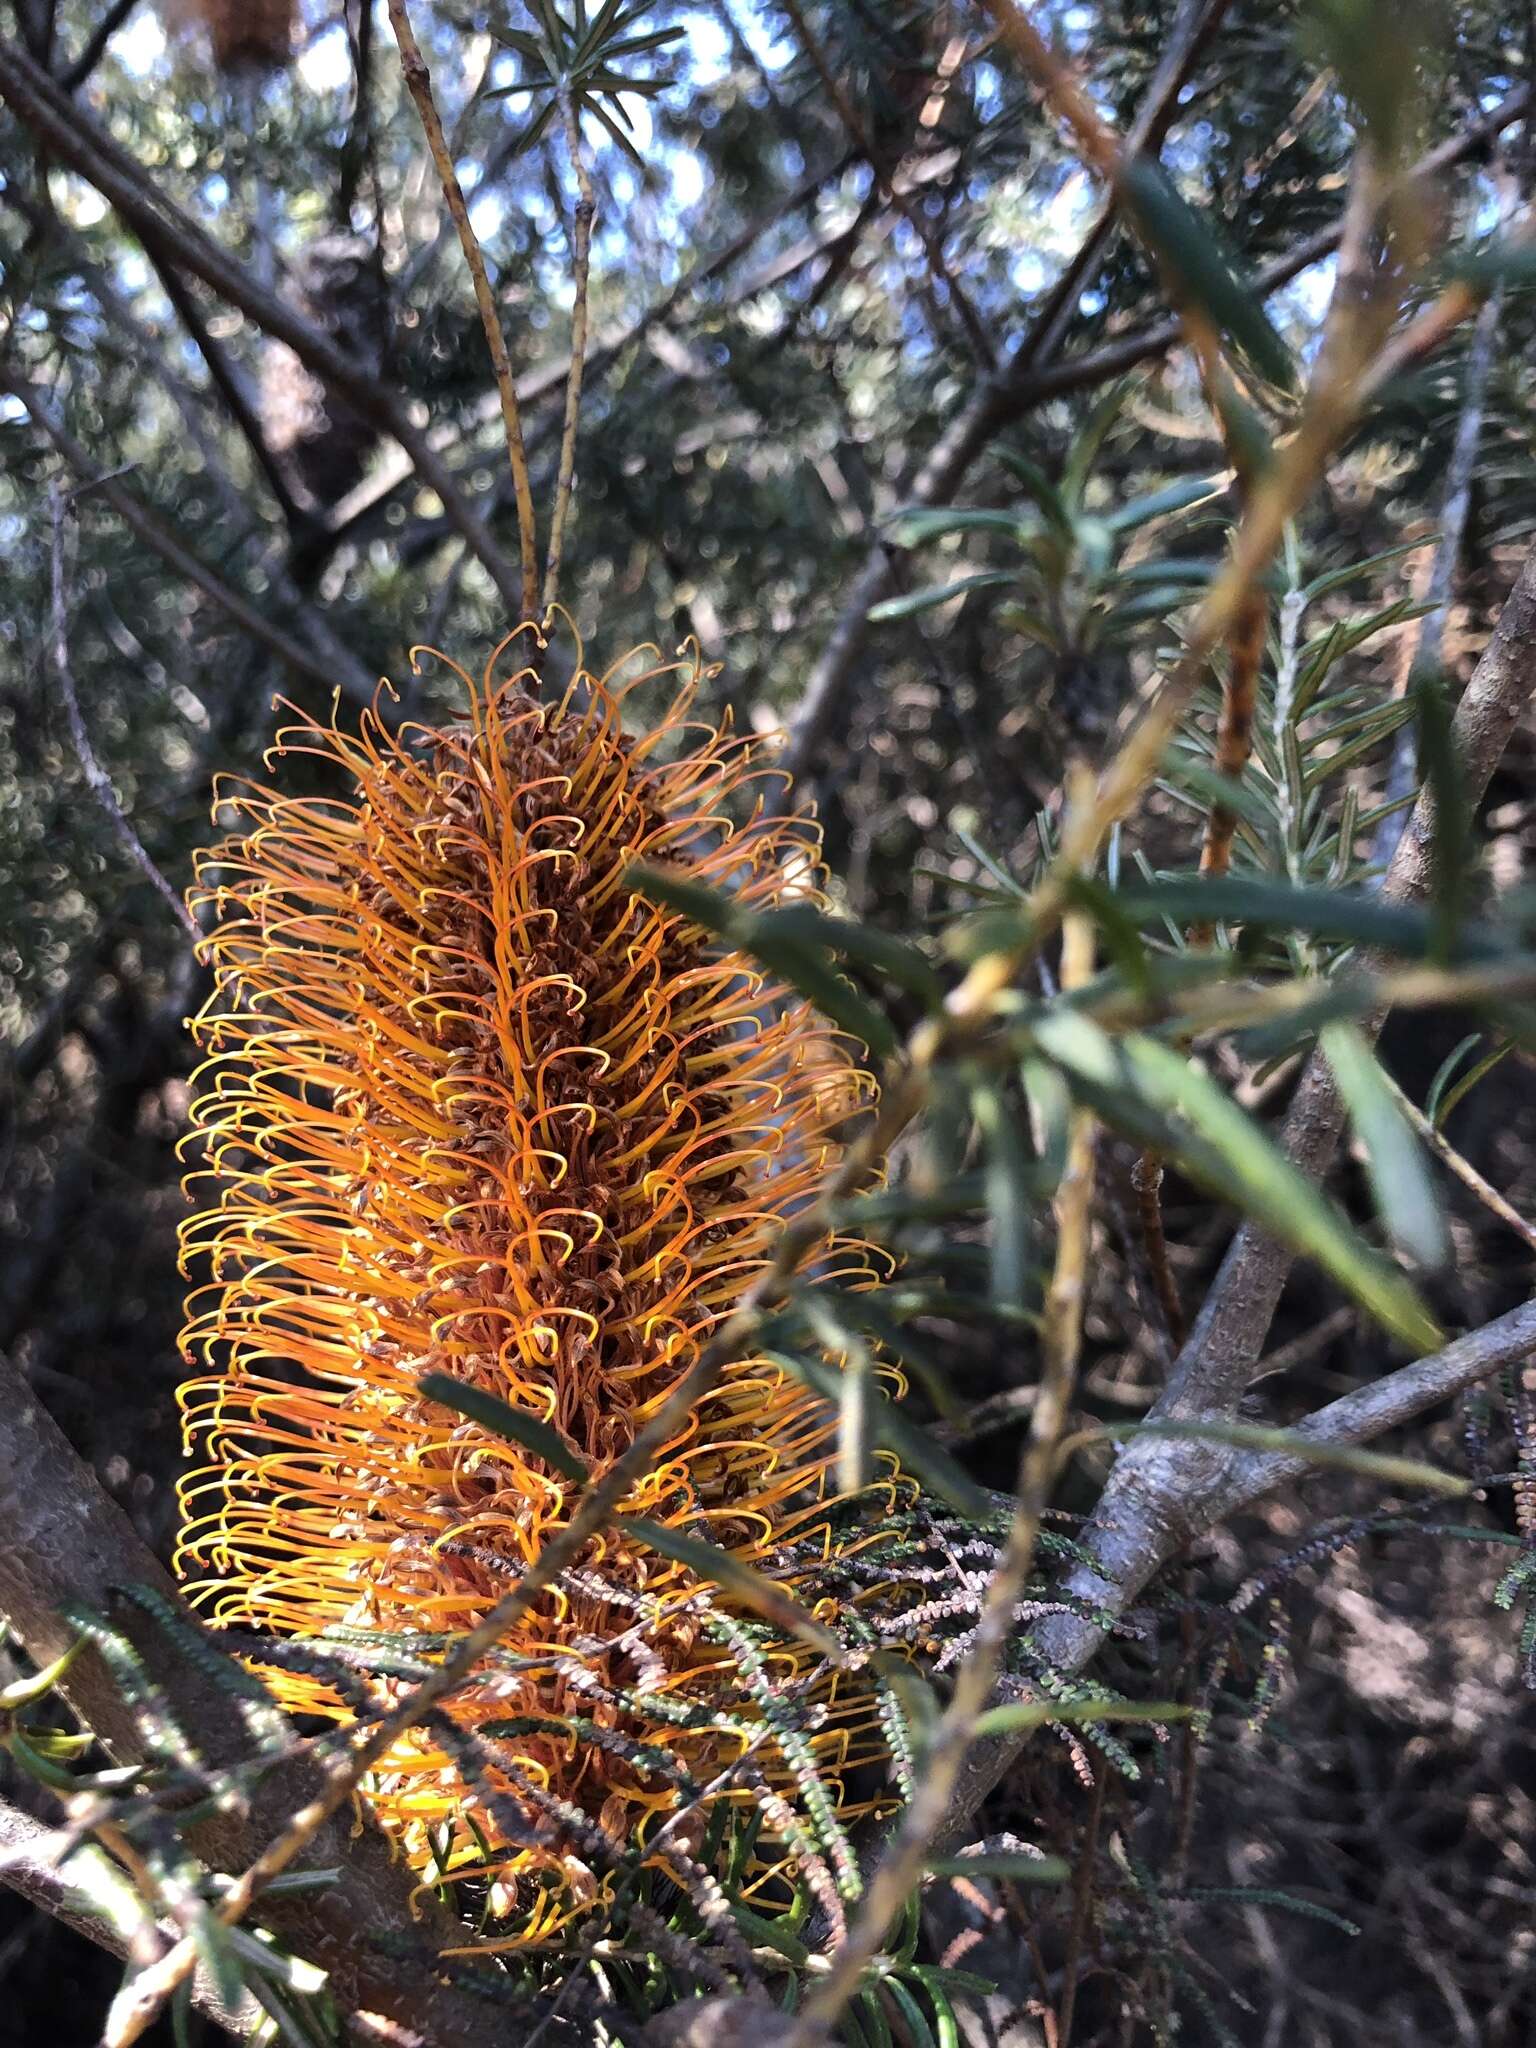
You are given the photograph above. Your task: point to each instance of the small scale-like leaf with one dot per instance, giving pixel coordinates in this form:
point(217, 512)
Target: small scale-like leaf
point(1395, 1160)
point(735, 1576)
point(502, 1419)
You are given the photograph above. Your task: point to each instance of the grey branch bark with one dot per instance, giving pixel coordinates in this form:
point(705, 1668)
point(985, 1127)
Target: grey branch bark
point(31, 1860)
point(66, 1540)
point(1455, 504)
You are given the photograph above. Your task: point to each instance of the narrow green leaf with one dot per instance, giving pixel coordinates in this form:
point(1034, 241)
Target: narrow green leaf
point(1147, 1090)
point(1019, 1716)
point(919, 2033)
point(1008, 1194)
point(912, 527)
point(502, 1419)
point(1200, 784)
point(1247, 1436)
point(1440, 765)
point(1506, 260)
point(1190, 249)
point(1088, 444)
point(878, 1312)
point(1445, 1071)
point(1469, 1081)
point(1038, 486)
point(733, 1575)
point(772, 1934)
point(935, 594)
point(879, 951)
point(1177, 497)
point(805, 966)
point(1335, 579)
point(1354, 915)
point(1395, 1160)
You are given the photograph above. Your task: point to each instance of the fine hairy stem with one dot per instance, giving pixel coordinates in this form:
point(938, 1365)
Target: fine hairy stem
point(418, 81)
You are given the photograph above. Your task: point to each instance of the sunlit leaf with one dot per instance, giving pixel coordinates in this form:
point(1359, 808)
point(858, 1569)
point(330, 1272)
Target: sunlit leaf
point(1395, 1160)
point(1155, 1094)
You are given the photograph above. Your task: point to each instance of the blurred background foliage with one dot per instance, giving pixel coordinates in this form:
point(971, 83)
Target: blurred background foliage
point(777, 352)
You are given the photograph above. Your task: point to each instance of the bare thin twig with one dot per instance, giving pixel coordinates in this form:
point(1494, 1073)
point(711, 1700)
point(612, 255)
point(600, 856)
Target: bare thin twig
point(581, 265)
point(96, 777)
point(1427, 653)
point(75, 139)
point(249, 617)
point(889, 188)
point(418, 81)
point(1463, 1168)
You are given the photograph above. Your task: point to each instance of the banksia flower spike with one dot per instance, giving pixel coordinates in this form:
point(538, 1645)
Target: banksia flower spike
point(475, 1106)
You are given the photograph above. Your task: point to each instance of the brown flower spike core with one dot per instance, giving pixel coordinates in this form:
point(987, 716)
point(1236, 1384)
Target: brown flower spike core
point(474, 1106)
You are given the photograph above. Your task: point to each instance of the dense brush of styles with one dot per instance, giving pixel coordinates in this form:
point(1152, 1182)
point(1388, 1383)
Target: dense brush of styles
point(475, 1106)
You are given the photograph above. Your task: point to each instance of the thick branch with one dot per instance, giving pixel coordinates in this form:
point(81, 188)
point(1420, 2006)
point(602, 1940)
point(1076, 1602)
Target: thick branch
point(30, 1860)
point(67, 1541)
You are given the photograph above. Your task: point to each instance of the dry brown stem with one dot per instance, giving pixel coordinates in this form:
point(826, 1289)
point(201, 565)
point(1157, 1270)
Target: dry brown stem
point(418, 81)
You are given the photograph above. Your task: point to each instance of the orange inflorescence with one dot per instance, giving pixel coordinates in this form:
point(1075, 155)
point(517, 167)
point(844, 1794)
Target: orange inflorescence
point(475, 1106)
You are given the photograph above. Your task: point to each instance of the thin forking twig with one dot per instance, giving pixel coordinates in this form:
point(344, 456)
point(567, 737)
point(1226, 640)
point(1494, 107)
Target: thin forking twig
point(418, 81)
point(97, 779)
